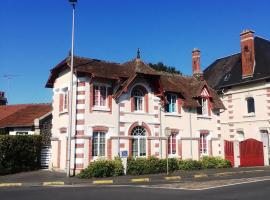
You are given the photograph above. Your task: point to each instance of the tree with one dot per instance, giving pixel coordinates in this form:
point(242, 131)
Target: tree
point(164, 68)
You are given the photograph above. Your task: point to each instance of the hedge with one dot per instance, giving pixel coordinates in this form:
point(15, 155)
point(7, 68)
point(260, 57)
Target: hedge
point(19, 153)
point(103, 168)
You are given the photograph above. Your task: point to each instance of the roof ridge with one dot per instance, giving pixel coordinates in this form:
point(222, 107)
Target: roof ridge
point(260, 37)
point(25, 104)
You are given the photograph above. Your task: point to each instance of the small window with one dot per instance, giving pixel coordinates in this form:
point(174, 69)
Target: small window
point(172, 144)
point(203, 109)
point(138, 94)
point(100, 96)
point(98, 145)
point(250, 105)
point(171, 106)
point(203, 144)
point(65, 101)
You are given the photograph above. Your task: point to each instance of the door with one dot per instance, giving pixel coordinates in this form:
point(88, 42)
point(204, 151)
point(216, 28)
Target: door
point(251, 153)
point(265, 141)
point(229, 151)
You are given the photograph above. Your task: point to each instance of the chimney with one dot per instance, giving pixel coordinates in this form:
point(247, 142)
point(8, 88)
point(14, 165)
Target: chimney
point(196, 66)
point(3, 100)
point(248, 53)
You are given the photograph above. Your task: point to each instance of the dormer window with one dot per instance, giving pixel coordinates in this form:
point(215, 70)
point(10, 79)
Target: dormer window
point(171, 106)
point(139, 99)
point(203, 108)
point(100, 95)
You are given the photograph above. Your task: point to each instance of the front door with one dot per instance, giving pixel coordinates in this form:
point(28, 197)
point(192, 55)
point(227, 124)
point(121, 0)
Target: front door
point(265, 140)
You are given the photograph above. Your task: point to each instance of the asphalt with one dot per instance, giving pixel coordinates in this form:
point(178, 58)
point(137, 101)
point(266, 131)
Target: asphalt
point(45, 178)
point(250, 191)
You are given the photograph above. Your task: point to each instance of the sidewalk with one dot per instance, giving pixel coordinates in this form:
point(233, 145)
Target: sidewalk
point(46, 178)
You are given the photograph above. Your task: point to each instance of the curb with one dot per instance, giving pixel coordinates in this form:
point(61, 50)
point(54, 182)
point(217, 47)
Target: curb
point(10, 184)
point(139, 180)
point(54, 183)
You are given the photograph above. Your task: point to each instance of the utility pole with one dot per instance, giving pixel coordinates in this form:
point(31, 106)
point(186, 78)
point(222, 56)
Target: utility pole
point(73, 3)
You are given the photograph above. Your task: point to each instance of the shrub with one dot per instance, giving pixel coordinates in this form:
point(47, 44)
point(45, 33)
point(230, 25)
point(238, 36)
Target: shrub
point(103, 168)
point(214, 163)
point(19, 153)
point(190, 164)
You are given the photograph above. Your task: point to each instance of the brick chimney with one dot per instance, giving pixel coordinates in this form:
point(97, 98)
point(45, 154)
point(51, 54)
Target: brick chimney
point(196, 66)
point(248, 53)
point(3, 100)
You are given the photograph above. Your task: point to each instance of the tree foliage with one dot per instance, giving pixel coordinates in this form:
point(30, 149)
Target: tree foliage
point(164, 68)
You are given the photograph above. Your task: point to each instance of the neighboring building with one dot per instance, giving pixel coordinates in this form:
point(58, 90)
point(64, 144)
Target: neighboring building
point(243, 83)
point(3, 99)
point(25, 119)
point(128, 107)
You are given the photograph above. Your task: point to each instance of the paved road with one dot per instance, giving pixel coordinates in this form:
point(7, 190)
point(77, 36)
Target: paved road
point(250, 191)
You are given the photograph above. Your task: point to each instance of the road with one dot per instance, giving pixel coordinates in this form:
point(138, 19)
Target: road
point(249, 191)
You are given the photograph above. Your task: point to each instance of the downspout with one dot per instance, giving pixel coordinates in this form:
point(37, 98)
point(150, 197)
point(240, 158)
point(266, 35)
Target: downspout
point(160, 133)
point(118, 129)
point(190, 133)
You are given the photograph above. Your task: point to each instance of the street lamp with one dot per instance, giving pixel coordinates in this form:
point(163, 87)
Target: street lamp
point(73, 3)
point(167, 134)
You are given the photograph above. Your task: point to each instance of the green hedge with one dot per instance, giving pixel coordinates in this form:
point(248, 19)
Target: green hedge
point(19, 153)
point(103, 168)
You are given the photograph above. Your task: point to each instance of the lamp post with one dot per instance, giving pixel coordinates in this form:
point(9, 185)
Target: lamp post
point(73, 3)
point(167, 134)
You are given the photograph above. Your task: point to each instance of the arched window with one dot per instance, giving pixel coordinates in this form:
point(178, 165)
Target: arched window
point(138, 141)
point(250, 105)
point(137, 95)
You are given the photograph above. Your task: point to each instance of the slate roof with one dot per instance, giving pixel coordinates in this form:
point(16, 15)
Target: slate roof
point(127, 72)
point(227, 71)
point(22, 115)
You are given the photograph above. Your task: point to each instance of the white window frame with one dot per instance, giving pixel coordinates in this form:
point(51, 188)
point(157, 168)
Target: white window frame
point(137, 139)
point(175, 106)
point(204, 106)
point(99, 102)
point(65, 101)
point(202, 153)
point(139, 98)
point(171, 144)
point(98, 144)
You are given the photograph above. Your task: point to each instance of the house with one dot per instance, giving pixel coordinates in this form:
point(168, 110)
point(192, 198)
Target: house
point(242, 81)
point(3, 99)
point(128, 107)
point(25, 119)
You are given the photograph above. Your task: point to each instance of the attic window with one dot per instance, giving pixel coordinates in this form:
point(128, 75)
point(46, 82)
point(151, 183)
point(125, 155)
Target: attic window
point(227, 77)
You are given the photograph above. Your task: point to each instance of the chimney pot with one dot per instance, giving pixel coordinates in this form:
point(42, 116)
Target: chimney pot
point(196, 66)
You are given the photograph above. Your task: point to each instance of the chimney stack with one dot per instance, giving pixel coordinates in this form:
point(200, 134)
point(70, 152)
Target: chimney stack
point(248, 53)
point(3, 100)
point(196, 66)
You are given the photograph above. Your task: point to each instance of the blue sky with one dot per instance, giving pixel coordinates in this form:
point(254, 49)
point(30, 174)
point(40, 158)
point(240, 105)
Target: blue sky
point(35, 35)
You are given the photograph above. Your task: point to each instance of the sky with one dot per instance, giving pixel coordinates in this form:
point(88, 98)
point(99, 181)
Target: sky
point(35, 35)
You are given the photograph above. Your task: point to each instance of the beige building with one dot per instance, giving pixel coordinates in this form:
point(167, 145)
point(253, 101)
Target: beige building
point(128, 107)
point(242, 82)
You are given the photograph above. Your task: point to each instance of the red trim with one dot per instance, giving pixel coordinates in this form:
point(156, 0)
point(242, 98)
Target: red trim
point(204, 132)
point(79, 146)
point(80, 92)
point(130, 148)
point(157, 145)
point(91, 98)
point(100, 128)
point(61, 99)
point(122, 145)
point(80, 101)
point(122, 124)
point(90, 150)
point(110, 99)
point(80, 122)
point(63, 130)
point(81, 83)
point(149, 147)
point(180, 148)
point(79, 166)
point(58, 153)
point(146, 99)
point(81, 132)
point(175, 130)
point(132, 104)
point(80, 111)
point(121, 133)
point(137, 124)
point(179, 104)
point(109, 149)
point(79, 155)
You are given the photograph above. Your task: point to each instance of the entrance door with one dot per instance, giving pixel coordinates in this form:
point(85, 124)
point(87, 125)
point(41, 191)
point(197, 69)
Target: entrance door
point(229, 151)
point(265, 140)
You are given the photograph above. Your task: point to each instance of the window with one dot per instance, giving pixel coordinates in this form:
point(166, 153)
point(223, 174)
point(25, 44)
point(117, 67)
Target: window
point(171, 106)
point(138, 98)
point(240, 136)
point(100, 96)
point(203, 109)
point(21, 133)
point(98, 145)
point(172, 144)
point(250, 105)
point(65, 101)
point(203, 144)
point(138, 141)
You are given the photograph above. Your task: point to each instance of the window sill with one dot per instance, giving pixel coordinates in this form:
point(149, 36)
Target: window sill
point(173, 114)
point(172, 155)
point(102, 109)
point(249, 115)
point(63, 112)
point(203, 117)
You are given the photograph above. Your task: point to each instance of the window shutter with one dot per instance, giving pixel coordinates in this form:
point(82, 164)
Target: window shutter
point(91, 97)
point(67, 100)
point(110, 98)
point(146, 102)
point(179, 104)
point(61, 101)
point(209, 107)
point(132, 104)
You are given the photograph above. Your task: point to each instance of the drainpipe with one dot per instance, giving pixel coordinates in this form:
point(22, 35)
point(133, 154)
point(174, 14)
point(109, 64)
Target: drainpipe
point(160, 133)
point(190, 133)
point(118, 129)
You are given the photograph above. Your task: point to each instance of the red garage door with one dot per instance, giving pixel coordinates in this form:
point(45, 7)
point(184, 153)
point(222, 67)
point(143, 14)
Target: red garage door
point(229, 152)
point(251, 153)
